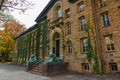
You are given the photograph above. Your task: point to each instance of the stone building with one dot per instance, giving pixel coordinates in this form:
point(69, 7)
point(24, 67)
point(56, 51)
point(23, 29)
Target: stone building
point(84, 33)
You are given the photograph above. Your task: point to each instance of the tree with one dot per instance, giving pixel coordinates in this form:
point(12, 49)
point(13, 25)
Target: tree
point(11, 5)
point(11, 28)
point(5, 17)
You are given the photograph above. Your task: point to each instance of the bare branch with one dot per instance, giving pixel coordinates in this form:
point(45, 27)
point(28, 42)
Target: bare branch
point(21, 5)
point(12, 7)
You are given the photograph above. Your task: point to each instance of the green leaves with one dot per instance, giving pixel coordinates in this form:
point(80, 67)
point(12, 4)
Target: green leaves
point(11, 28)
point(92, 48)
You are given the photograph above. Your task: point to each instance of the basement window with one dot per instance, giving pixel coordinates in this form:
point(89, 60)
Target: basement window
point(85, 66)
point(113, 66)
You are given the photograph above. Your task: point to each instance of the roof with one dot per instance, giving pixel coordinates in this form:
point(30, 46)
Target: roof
point(48, 7)
point(45, 10)
point(41, 16)
point(26, 31)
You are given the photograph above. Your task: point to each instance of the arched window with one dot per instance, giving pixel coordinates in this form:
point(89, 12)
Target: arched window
point(59, 12)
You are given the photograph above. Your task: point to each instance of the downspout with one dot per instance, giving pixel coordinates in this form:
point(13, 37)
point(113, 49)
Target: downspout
point(97, 35)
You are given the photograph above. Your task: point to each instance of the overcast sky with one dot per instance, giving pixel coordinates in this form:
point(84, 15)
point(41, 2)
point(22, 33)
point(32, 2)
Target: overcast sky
point(29, 16)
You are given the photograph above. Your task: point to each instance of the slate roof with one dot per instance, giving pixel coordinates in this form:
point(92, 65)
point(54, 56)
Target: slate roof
point(39, 18)
point(45, 10)
point(26, 31)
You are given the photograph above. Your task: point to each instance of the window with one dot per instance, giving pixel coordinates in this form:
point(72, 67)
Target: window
point(81, 7)
point(72, 1)
point(119, 8)
point(68, 27)
point(113, 66)
point(85, 66)
point(83, 23)
point(67, 13)
point(69, 47)
point(59, 12)
point(102, 3)
point(105, 19)
point(85, 45)
point(109, 43)
point(116, 0)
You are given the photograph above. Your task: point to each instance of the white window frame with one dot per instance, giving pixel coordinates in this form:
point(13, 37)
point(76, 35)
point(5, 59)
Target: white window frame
point(84, 45)
point(83, 25)
point(102, 3)
point(68, 28)
point(105, 20)
point(59, 12)
point(109, 43)
point(69, 47)
point(81, 6)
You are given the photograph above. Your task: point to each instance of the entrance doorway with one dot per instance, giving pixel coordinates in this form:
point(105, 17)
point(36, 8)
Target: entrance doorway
point(57, 48)
point(56, 45)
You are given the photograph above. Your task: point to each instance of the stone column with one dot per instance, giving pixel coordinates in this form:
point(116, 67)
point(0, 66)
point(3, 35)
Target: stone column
point(61, 48)
point(51, 43)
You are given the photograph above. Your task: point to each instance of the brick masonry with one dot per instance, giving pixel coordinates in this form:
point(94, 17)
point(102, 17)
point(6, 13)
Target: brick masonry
point(92, 13)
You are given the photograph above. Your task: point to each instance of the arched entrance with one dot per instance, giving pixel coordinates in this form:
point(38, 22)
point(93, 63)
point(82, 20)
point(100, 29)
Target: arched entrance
point(56, 42)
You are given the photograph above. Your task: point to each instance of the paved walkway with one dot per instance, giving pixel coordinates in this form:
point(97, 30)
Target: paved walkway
point(12, 72)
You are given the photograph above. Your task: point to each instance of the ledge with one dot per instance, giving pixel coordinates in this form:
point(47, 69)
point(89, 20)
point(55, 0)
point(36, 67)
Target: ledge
point(57, 22)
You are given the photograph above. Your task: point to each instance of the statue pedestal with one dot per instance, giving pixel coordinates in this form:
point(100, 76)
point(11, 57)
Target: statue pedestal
point(54, 68)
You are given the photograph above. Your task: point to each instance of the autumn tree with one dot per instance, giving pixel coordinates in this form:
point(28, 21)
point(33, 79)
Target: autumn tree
point(11, 28)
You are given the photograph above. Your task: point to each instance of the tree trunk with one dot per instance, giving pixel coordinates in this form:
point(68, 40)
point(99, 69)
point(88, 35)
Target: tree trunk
point(1, 3)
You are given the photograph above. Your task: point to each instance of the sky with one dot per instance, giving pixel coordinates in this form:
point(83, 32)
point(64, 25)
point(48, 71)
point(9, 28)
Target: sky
point(28, 18)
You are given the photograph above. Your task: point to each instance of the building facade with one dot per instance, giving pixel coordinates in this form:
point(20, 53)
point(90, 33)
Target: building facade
point(84, 33)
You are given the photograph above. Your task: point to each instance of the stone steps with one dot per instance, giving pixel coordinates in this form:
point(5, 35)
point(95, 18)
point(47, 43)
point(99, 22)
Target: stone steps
point(37, 69)
point(49, 69)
